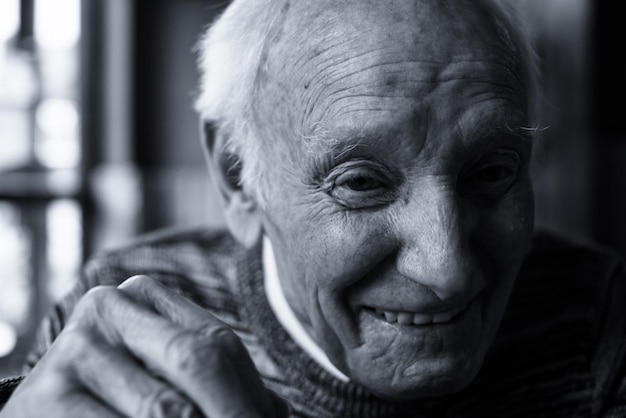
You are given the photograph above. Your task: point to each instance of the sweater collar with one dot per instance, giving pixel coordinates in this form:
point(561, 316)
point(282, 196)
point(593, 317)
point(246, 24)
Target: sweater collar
point(285, 315)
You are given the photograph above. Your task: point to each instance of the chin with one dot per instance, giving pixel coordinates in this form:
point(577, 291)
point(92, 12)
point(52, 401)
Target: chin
point(444, 379)
point(444, 386)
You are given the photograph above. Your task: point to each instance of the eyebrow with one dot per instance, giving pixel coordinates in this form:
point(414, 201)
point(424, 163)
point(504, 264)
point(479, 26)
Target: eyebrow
point(328, 152)
point(493, 126)
point(339, 148)
point(492, 131)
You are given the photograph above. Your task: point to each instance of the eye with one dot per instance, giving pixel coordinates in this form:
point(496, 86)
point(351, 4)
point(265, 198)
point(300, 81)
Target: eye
point(494, 173)
point(363, 183)
point(491, 176)
point(360, 185)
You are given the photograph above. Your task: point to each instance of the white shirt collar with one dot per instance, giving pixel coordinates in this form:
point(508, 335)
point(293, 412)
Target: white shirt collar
point(285, 315)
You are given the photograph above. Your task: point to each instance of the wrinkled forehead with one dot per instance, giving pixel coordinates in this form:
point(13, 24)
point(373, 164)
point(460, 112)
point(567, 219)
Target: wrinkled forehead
point(435, 29)
point(322, 48)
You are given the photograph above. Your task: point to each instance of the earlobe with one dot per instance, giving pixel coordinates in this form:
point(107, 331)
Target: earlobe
point(243, 220)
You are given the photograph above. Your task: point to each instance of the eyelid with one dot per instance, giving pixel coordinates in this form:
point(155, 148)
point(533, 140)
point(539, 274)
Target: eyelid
point(358, 172)
point(374, 169)
point(469, 185)
point(494, 157)
point(333, 184)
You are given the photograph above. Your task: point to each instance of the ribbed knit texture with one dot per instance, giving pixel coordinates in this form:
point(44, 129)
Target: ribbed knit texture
point(559, 353)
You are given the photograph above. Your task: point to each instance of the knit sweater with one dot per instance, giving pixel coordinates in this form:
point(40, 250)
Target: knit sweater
point(560, 350)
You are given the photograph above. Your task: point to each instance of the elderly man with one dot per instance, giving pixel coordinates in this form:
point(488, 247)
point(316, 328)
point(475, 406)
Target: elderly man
point(372, 158)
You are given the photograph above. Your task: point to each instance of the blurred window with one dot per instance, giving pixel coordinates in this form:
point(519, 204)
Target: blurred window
point(41, 232)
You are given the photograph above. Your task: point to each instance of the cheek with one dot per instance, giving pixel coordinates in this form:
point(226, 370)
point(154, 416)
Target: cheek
point(505, 232)
point(350, 244)
point(517, 216)
point(333, 250)
point(323, 257)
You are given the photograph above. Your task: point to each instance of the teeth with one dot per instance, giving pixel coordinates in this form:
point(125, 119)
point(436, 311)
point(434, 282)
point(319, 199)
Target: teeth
point(405, 318)
point(391, 316)
point(408, 318)
point(421, 319)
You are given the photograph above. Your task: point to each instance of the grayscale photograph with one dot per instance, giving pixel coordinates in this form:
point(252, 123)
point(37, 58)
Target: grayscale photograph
point(312, 209)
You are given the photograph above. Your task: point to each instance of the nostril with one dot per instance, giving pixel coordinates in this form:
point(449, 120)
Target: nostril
point(457, 289)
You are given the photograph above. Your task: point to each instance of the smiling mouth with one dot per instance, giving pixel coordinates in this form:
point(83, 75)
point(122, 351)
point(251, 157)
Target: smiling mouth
point(418, 318)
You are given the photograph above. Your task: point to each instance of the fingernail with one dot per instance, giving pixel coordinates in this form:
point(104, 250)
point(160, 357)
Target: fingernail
point(128, 282)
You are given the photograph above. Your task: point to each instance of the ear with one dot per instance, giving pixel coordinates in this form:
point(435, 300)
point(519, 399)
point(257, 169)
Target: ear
point(240, 208)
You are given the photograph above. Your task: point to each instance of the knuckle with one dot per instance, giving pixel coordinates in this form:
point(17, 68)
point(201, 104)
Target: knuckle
point(94, 300)
point(166, 402)
point(183, 350)
point(191, 351)
point(221, 336)
point(74, 344)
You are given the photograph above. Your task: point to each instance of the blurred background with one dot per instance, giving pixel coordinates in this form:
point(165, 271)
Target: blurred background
point(99, 142)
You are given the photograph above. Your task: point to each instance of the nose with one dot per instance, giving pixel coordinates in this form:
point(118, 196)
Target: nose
point(435, 243)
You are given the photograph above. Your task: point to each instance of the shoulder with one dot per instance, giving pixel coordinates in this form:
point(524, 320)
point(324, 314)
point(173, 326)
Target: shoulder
point(562, 257)
point(564, 284)
point(182, 251)
point(562, 338)
point(197, 263)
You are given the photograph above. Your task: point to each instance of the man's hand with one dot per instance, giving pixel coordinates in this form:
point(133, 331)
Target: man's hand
point(143, 351)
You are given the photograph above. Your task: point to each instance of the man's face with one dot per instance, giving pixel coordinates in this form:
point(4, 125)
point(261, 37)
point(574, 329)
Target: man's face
point(401, 218)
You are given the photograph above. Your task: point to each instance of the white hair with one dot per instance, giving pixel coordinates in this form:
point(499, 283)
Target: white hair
point(231, 52)
point(231, 56)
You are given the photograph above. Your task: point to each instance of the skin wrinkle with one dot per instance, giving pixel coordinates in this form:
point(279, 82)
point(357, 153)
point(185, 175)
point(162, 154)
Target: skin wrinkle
point(313, 98)
point(325, 23)
point(426, 131)
point(383, 351)
point(437, 83)
point(349, 148)
point(321, 74)
point(330, 62)
point(333, 101)
point(491, 138)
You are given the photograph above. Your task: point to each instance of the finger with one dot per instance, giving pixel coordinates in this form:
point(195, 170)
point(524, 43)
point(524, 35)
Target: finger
point(178, 309)
point(203, 369)
point(164, 301)
point(112, 375)
point(182, 311)
point(78, 406)
point(49, 396)
point(198, 363)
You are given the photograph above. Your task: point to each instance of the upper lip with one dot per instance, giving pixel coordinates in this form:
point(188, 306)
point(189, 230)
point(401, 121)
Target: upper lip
point(404, 297)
